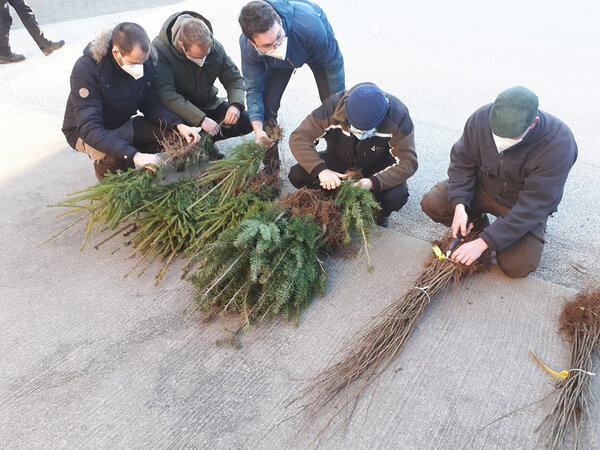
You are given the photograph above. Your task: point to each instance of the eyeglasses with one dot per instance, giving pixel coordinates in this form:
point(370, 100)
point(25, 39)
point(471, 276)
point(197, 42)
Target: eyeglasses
point(276, 45)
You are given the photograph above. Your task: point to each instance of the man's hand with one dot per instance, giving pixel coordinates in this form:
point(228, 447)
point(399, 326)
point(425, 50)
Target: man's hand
point(232, 115)
point(330, 179)
point(469, 252)
point(364, 183)
point(459, 222)
point(147, 161)
point(210, 126)
point(190, 134)
point(262, 138)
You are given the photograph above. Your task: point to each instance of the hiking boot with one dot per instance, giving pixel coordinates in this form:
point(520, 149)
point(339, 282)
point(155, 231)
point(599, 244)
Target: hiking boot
point(11, 58)
point(52, 46)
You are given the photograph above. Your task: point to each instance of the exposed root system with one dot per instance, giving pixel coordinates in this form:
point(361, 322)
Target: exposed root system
point(318, 203)
point(374, 350)
point(580, 323)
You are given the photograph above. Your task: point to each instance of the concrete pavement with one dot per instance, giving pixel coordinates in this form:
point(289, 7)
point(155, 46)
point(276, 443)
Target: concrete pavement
point(94, 360)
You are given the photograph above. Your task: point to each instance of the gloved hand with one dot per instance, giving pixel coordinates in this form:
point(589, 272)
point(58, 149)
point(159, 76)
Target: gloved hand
point(364, 183)
point(147, 161)
point(210, 126)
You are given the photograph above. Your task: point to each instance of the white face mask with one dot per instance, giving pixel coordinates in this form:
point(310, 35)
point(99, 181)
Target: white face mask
point(135, 70)
point(279, 53)
point(503, 143)
point(362, 135)
point(198, 61)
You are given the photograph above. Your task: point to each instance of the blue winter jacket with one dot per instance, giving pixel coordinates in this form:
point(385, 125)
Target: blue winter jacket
point(310, 41)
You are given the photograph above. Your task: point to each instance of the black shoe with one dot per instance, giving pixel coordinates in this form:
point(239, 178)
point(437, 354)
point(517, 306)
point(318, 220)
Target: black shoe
point(383, 221)
point(271, 166)
point(11, 58)
point(52, 46)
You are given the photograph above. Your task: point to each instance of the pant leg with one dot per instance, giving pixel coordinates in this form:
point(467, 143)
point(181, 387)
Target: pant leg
point(523, 256)
point(241, 128)
point(300, 177)
point(436, 205)
point(147, 136)
point(30, 22)
point(275, 83)
point(106, 163)
point(392, 199)
point(5, 23)
point(322, 81)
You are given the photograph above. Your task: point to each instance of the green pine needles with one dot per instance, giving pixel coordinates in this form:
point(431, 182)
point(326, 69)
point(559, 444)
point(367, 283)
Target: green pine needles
point(268, 265)
point(232, 175)
point(253, 257)
point(358, 214)
point(110, 203)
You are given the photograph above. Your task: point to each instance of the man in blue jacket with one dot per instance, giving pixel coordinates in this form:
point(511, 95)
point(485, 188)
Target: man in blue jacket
point(110, 83)
point(278, 37)
point(512, 161)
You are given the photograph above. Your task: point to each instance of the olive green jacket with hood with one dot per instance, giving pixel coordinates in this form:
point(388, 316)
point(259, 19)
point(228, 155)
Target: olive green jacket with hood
point(186, 88)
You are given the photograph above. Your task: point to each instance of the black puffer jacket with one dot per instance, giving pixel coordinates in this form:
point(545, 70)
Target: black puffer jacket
point(529, 177)
point(103, 97)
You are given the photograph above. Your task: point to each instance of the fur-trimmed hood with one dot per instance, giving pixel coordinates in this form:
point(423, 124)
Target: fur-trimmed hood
point(102, 45)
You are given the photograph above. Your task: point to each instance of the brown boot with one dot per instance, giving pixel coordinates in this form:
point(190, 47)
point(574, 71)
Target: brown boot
point(52, 46)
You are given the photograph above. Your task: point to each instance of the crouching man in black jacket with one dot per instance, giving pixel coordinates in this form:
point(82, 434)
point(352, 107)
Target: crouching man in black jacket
point(114, 79)
point(512, 161)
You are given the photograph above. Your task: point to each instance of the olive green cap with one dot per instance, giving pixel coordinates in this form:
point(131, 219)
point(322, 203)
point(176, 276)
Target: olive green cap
point(513, 111)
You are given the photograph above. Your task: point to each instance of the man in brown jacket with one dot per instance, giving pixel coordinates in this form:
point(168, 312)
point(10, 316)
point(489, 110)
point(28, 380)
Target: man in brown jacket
point(365, 128)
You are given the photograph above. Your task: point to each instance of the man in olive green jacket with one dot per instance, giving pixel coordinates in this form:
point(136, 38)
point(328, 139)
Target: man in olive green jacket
point(189, 62)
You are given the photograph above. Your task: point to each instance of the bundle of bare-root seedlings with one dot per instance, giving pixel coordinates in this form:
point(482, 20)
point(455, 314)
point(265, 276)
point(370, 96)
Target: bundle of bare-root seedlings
point(341, 213)
point(269, 264)
point(339, 387)
point(580, 324)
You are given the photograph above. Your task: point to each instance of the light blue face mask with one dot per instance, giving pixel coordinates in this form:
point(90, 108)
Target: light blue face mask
point(362, 135)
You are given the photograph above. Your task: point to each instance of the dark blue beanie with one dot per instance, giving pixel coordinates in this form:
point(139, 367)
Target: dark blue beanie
point(366, 106)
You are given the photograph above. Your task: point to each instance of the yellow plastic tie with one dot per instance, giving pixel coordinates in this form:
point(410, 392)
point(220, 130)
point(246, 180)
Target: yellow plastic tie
point(562, 374)
point(438, 252)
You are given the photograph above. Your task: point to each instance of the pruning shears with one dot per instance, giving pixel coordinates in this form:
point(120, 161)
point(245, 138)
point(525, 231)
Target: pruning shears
point(454, 243)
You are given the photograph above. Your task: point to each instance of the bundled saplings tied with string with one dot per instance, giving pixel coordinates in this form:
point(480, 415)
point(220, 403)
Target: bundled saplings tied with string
point(340, 385)
point(580, 324)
